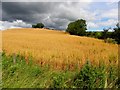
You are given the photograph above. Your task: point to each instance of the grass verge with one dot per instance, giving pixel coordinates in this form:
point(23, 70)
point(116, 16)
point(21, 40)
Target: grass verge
point(18, 73)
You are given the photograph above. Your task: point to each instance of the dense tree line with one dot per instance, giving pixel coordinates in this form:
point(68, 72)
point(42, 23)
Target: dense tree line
point(116, 33)
point(79, 28)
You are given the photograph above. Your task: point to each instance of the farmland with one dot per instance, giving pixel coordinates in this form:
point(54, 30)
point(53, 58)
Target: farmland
point(58, 50)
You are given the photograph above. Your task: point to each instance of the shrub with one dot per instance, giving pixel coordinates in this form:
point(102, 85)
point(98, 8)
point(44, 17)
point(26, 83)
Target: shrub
point(59, 80)
point(110, 40)
point(90, 77)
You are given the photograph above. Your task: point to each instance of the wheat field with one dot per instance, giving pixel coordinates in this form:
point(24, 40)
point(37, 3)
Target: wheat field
point(57, 48)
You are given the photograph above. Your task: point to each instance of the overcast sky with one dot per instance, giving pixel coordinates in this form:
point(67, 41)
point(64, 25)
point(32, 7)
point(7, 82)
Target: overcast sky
point(58, 15)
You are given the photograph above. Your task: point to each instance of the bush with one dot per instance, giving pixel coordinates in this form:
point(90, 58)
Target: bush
point(58, 81)
point(110, 40)
point(90, 77)
point(98, 35)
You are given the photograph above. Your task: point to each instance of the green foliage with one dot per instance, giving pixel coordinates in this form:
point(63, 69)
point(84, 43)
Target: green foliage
point(105, 33)
point(116, 33)
point(21, 75)
point(108, 37)
point(94, 34)
point(112, 73)
point(90, 77)
point(98, 35)
point(38, 25)
point(35, 71)
point(78, 27)
point(12, 69)
point(58, 81)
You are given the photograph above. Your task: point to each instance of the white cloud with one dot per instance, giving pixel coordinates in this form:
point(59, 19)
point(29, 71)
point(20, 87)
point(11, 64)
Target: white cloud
point(109, 0)
point(92, 25)
point(65, 13)
point(76, 11)
point(110, 22)
point(104, 24)
point(61, 14)
point(112, 13)
point(15, 24)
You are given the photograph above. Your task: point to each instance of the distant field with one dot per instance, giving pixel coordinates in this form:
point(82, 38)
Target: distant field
point(58, 49)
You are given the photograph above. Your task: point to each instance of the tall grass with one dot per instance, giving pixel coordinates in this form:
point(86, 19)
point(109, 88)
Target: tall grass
point(17, 73)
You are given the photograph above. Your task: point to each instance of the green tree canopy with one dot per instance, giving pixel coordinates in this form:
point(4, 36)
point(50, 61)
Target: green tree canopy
point(78, 27)
point(38, 25)
point(117, 33)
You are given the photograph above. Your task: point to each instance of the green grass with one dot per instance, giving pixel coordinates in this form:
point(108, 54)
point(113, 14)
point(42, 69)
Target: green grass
point(16, 73)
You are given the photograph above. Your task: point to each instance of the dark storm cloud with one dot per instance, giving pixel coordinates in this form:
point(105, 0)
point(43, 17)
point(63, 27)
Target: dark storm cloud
point(0, 11)
point(24, 10)
point(57, 14)
point(52, 14)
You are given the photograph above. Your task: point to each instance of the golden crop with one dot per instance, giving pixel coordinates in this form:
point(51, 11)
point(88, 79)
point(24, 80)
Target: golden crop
point(57, 48)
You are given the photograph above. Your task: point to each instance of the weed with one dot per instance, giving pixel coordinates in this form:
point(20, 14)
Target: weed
point(90, 77)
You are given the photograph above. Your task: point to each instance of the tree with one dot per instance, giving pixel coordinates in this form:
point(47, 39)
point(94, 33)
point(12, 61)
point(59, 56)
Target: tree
point(78, 27)
point(117, 33)
point(98, 35)
point(33, 26)
point(38, 25)
point(105, 33)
